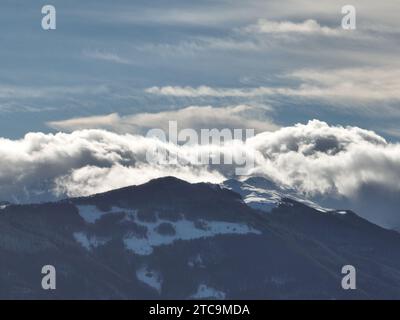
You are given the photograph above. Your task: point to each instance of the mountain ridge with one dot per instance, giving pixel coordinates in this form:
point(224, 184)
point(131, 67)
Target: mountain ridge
point(137, 242)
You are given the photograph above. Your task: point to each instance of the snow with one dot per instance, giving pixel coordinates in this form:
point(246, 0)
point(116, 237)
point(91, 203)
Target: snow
point(130, 215)
point(258, 198)
point(252, 198)
point(184, 230)
point(150, 277)
point(279, 280)
point(91, 213)
point(267, 199)
point(262, 202)
point(206, 292)
point(196, 261)
point(89, 242)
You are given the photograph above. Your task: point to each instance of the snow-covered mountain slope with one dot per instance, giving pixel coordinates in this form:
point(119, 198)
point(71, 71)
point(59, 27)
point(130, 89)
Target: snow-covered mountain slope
point(262, 194)
point(170, 239)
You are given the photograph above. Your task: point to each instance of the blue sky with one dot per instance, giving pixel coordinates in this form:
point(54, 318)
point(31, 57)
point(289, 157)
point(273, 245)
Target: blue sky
point(103, 57)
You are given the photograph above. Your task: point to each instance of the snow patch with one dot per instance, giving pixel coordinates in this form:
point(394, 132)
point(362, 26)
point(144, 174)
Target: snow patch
point(89, 242)
point(91, 213)
point(150, 277)
point(206, 292)
point(196, 261)
point(184, 230)
point(267, 199)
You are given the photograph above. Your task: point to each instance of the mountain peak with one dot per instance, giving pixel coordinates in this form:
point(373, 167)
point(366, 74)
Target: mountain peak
point(170, 193)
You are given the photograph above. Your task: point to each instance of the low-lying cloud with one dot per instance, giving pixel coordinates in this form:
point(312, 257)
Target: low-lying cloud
point(315, 158)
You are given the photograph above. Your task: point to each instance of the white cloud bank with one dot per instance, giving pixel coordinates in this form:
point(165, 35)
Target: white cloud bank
point(314, 158)
point(318, 158)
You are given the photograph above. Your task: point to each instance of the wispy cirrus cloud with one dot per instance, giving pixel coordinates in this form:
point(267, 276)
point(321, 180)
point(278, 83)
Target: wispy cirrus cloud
point(26, 92)
point(106, 56)
point(206, 91)
point(358, 87)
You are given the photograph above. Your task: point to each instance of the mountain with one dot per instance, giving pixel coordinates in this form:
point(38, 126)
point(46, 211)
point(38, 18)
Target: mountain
point(169, 239)
point(260, 193)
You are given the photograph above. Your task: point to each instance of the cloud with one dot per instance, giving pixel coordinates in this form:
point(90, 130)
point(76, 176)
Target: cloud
point(393, 132)
point(195, 117)
point(346, 166)
point(264, 36)
point(320, 159)
point(205, 91)
point(103, 121)
point(106, 56)
point(40, 92)
point(314, 158)
point(99, 179)
point(307, 27)
point(199, 44)
point(350, 86)
point(363, 84)
point(233, 12)
point(81, 163)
